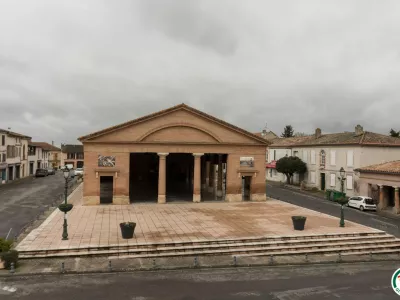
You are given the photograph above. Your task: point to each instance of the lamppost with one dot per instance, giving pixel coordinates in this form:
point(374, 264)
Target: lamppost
point(342, 199)
point(65, 207)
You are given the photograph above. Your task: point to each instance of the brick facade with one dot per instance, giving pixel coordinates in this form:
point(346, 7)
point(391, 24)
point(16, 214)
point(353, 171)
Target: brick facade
point(180, 129)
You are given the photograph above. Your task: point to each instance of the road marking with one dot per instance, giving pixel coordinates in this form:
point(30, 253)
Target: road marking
point(9, 289)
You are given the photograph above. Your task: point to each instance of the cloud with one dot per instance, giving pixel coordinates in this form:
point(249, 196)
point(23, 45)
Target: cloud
point(69, 68)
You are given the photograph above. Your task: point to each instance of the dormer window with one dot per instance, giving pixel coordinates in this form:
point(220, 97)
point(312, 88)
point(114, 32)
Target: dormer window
point(323, 158)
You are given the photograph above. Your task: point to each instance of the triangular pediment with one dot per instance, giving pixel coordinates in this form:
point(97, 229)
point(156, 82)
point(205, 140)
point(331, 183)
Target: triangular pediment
point(179, 124)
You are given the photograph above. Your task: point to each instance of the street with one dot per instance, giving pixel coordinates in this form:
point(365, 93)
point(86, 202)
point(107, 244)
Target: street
point(319, 204)
point(22, 201)
point(367, 281)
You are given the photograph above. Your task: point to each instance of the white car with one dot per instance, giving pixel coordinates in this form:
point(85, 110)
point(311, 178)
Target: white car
point(362, 203)
point(78, 171)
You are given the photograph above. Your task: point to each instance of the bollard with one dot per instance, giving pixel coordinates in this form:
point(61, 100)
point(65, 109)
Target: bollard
point(235, 261)
point(154, 263)
point(12, 268)
point(307, 258)
point(109, 266)
point(271, 260)
point(339, 257)
point(196, 263)
point(62, 268)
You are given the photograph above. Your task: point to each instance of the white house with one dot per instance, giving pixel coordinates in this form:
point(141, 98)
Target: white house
point(13, 155)
point(325, 154)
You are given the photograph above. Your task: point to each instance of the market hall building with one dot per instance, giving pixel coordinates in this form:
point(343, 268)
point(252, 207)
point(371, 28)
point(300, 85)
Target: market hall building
point(177, 154)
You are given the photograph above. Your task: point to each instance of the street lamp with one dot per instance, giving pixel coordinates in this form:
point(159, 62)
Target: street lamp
point(342, 199)
point(65, 207)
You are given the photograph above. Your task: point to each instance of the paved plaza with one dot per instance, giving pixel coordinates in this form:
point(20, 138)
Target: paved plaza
point(92, 226)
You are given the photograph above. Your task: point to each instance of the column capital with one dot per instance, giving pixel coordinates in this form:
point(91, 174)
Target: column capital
point(162, 154)
point(380, 185)
point(396, 188)
point(198, 154)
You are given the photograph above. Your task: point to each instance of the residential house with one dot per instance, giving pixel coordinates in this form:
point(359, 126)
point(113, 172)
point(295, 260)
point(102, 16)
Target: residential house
point(50, 155)
point(325, 154)
point(72, 155)
point(381, 182)
point(13, 155)
point(42, 155)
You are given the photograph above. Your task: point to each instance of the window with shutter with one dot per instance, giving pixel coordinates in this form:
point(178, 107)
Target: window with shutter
point(350, 158)
point(333, 157)
point(305, 155)
point(312, 175)
point(312, 157)
point(333, 179)
point(349, 182)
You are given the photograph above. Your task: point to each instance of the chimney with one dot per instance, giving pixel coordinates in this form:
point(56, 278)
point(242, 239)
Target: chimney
point(318, 133)
point(359, 129)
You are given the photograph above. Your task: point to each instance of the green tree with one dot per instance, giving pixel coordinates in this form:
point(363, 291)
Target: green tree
point(288, 131)
point(394, 133)
point(289, 165)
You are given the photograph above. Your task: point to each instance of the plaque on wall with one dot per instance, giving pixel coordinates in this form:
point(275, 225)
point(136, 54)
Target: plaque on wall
point(106, 161)
point(247, 161)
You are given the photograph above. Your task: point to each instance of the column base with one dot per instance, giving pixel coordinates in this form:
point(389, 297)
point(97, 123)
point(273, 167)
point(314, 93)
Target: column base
point(219, 193)
point(91, 200)
point(196, 198)
point(259, 197)
point(161, 199)
point(233, 198)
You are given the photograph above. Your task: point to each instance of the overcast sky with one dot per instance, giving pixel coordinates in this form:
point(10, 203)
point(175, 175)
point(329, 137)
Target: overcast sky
point(68, 68)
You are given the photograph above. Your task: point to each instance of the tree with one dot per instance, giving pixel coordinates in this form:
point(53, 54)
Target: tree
point(289, 165)
point(287, 131)
point(394, 133)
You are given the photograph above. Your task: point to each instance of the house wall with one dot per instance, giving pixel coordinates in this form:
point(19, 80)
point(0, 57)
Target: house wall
point(121, 170)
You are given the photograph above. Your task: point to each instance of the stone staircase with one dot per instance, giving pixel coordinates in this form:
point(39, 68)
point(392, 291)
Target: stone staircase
point(346, 244)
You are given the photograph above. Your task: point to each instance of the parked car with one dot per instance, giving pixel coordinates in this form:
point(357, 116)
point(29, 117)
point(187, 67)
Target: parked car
point(51, 171)
point(362, 203)
point(41, 173)
point(78, 171)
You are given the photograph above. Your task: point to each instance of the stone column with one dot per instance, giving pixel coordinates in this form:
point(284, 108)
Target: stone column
point(203, 174)
point(396, 208)
point(381, 205)
point(211, 176)
point(219, 183)
point(162, 177)
point(207, 171)
point(197, 177)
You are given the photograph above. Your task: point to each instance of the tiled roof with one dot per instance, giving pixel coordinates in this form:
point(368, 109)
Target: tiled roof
point(44, 146)
point(391, 167)
point(269, 135)
point(15, 134)
point(168, 110)
point(72, 148)
point(366, 138)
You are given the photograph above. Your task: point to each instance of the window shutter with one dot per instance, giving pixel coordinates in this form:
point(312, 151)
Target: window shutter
point(349, 182)
point(333, 179)
point(312, 177)
point(350, 158)
point(305, 154)
point(333, 157)
point(312, 157)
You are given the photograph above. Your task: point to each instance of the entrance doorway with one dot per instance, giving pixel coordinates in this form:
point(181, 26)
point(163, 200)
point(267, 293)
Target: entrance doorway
point(179, 177)
point(10, 173)
point(17, 172)
point(322, 181)
point(31, 168)
point(143, 181)
point(246, 188)
point(106, 189)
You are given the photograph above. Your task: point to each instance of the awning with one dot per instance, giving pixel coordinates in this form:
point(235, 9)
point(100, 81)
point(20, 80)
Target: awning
point(271, 165)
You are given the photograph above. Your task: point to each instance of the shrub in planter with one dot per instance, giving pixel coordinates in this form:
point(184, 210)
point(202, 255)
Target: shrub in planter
point(9, 257)
point(5, 245)
point(127, 229)
point(342, 200)
point(65, 207)
point(299, 222)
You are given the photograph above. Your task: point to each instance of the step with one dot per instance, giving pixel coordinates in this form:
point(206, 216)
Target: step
point(249, 248)
point(221, 242)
